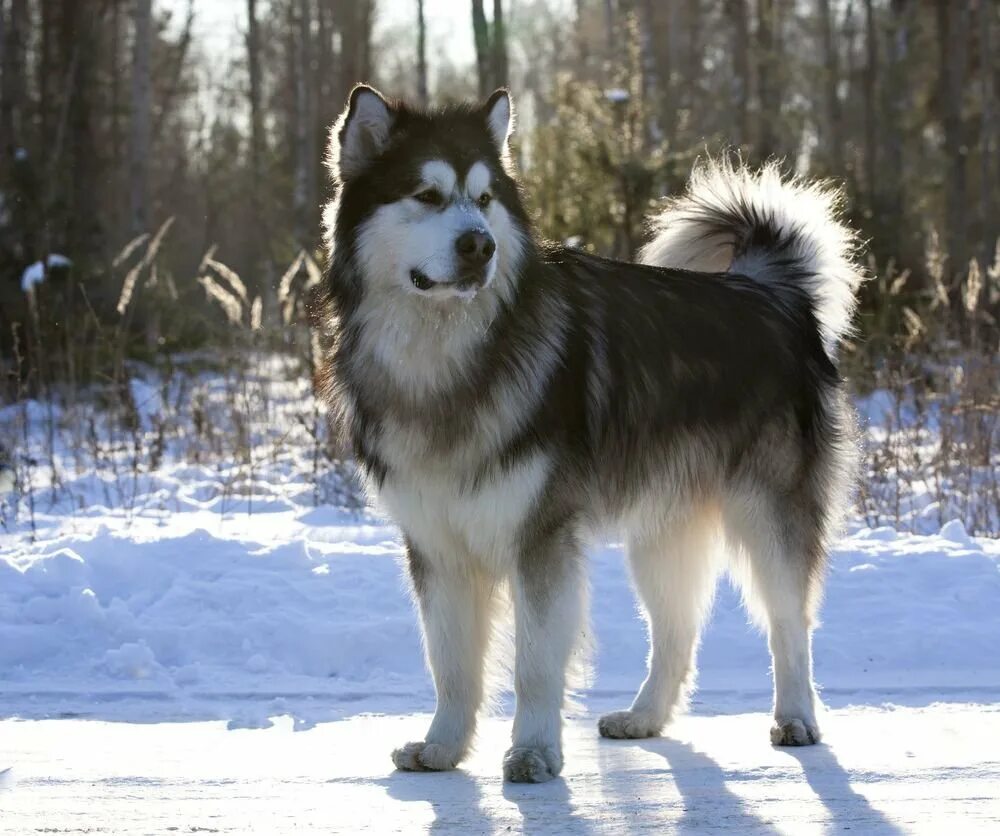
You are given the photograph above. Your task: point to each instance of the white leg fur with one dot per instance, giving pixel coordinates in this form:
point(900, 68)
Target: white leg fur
point(783, 591)
point(776, 586)
point(674, 574)
point(457, 607)
point(549, 615)
point(794, 697)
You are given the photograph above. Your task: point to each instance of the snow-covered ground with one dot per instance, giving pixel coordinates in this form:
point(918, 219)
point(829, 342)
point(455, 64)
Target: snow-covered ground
point(181, 663)
point(202, 611)
point(226, 624)
point(928, 770)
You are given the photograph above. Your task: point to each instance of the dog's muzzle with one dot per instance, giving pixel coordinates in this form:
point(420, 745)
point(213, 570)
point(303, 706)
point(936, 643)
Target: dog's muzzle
point(474, 250)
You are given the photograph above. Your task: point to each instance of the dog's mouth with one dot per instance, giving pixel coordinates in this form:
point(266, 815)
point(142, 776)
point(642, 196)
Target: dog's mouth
point(463, 284)
point(421, 281)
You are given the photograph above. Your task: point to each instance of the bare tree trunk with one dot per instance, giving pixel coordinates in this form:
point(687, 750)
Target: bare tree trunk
point(740, 16)
point(120, 228)
point(258, 233)
point(670, 72)
point(767, 61)
point(14, 97)
point(871, 76)
point(422, 95)
point(609, 31)
point(499, 47)
point(896, 103)
point(139, 140)
point(45, 70)
point(356, 34)
point(366, 19)
point(831, 79)
point(989, 147)
point(327, 98)
point(305, 185)
point(4, 75)
point(481, 35)
point(253, 60)
point(582, 47)
point(80, 28)
point(170, 90)
point(952, 33)
point(693, 67)
point(994, 61)
point(650, 80)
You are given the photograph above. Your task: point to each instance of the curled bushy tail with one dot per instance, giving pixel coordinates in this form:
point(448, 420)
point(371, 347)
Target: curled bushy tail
point(781, 232)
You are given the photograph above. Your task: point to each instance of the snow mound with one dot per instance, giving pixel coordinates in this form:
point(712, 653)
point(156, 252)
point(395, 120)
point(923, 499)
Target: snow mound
point(955, 532)
point(203, 610)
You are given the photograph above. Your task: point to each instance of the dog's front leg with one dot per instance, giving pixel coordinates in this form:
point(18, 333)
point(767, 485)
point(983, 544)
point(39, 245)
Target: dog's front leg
point(549, 613)
point(455, 608)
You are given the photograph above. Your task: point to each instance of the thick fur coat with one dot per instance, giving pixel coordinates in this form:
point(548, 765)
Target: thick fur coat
point(507, 400)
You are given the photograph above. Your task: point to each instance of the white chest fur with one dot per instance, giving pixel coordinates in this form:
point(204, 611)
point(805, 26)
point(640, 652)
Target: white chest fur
point(448, 521)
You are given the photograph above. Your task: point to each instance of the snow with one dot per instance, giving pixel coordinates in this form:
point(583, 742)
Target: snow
point(616, 95)
point(57, 260)
point(237, 656)
point(35, 273)
point(204, 611)
point(925, 770)
point(931, 458)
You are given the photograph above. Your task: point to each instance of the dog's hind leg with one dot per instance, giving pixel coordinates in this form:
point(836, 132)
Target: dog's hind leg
point(781, 574)
point(456, 608)
point(550, 593)
point(674, 573)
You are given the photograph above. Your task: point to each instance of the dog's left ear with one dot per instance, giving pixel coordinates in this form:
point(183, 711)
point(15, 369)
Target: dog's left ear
point(499, 112)
point(360, 134)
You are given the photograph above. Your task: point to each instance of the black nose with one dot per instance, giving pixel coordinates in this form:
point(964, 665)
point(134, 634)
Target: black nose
point(475, 248)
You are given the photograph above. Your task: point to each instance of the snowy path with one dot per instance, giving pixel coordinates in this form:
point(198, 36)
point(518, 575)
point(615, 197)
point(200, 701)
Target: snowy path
point(900, 770)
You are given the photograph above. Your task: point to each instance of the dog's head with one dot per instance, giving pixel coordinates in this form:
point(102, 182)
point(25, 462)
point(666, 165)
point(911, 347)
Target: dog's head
point(426, 202)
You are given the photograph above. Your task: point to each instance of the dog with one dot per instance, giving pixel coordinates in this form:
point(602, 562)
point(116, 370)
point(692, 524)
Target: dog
point(507, 400)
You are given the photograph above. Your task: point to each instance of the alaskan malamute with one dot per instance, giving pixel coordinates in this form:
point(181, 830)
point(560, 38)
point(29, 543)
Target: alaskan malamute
point(507, 398)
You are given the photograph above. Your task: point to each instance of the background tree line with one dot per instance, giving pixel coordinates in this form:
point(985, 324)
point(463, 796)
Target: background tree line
point(115, 117)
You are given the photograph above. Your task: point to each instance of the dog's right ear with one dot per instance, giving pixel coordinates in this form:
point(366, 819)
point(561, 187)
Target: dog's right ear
point(360, 134)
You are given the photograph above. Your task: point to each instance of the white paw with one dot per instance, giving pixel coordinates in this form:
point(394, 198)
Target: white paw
point(628, 724)
point(421, 756)
point(524, 765)
point(794, 733)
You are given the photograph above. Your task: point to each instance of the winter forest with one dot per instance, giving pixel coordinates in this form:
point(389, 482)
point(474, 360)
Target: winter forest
point(117, 116)
point(192, 586)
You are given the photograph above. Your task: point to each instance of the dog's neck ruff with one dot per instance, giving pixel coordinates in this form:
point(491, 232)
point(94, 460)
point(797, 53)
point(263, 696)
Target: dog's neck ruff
point(424, 346)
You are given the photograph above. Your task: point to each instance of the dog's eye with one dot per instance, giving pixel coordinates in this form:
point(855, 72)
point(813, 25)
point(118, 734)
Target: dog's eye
point(484, 200)
point(432, 197)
